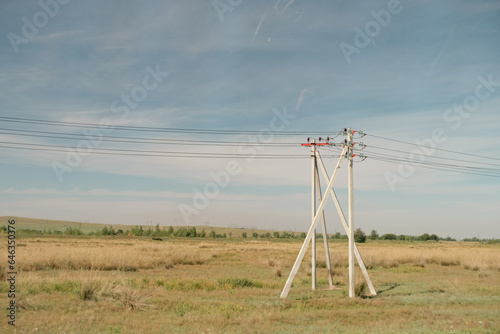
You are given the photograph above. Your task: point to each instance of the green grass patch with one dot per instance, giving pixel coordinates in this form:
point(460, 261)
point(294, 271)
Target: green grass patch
point(187, 285)
point(234, 283)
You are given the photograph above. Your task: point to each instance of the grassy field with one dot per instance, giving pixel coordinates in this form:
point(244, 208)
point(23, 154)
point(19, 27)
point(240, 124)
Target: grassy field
point(139, 285)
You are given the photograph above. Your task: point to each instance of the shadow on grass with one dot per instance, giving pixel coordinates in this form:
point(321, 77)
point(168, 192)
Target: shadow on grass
point(404, 291)
point(389, 288)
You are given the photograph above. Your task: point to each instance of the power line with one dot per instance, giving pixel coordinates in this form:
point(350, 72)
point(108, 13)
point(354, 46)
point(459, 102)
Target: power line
point(369, 153)
point(186, 142)
point(431, 163)
point(138, 140)
point(435, 148)
point(152, 129)
point(474, 170)
point(429, 156)
point(442, 169)
point(115, 151)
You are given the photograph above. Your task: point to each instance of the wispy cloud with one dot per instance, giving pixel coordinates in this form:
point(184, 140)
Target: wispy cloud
point(230, 75)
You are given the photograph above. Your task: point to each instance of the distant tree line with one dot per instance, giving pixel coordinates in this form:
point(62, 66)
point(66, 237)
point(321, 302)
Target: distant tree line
point(192, 232)
point(139, 231)
point(424, 237)
point(277, 235)
point(402, 237)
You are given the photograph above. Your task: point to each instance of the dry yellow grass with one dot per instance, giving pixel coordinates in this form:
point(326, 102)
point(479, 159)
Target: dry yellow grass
point(106, 254)
point(138, 285)
point(130, 254)
point(444, 254)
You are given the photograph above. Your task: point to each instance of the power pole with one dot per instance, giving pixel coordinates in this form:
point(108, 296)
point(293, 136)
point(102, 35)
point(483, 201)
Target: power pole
point(314, 223)
point(348, 224)
point(313, 205)
point(351, 212)
point(315, 196)
point(346, 228)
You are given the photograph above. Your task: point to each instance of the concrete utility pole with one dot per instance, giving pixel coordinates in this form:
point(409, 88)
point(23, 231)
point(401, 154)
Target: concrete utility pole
point(346, 228)
point(348, 153)
point(316, 192)
point(312, 228)
point(351, 213)
point(313, 212)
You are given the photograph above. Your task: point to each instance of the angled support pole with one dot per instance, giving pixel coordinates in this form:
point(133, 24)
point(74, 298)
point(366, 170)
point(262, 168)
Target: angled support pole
point(312, 229)
point(346, 228)
point(325, 234)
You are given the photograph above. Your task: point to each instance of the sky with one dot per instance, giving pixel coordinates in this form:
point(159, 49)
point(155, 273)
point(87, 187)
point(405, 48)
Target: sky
point(420, 72)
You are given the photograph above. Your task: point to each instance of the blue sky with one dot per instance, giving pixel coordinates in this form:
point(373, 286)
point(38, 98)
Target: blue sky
point(415, 68)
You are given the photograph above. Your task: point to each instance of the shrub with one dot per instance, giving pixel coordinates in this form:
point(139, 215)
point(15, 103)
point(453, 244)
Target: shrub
point(170, 231)
point(434, 237)
point(72, 231)
point(130, 298)
point(359, 236)
point(89, 290)
point(181, 232)
point(359, 289)
point(424, 237)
